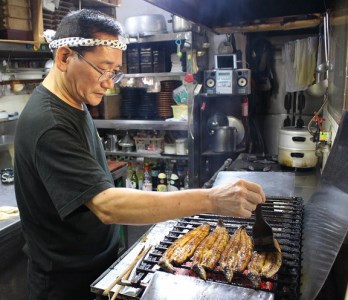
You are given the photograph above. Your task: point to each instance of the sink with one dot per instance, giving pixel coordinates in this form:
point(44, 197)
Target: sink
point(6, 139)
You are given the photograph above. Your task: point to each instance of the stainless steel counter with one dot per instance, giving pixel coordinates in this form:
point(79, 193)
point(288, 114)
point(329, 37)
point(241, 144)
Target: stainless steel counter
point(7, 197)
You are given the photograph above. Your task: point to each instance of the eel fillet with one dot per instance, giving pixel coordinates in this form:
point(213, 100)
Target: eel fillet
point(237, 253)
point(265, 264)
point(209, 251)
point(183, 248)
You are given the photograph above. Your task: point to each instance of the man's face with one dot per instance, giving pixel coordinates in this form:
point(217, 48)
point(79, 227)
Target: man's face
point(83, 79)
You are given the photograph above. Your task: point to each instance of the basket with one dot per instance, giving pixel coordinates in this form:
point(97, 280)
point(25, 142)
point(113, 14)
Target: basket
point(180, 112)
point(149, 145)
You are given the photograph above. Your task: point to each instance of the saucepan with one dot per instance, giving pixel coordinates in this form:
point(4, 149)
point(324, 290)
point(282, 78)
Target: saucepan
point(180, 24)
point(145, 25)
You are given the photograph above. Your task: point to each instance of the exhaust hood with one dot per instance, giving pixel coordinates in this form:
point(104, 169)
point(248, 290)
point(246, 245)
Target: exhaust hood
point(222, 14)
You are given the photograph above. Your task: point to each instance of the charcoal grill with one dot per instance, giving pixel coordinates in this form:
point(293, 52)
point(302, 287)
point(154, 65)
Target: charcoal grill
point(284, 214)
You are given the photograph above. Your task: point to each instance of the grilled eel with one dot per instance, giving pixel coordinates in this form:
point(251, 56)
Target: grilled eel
point(264, 264)
point(209, 251)
point(237, 253)
point(183, 248)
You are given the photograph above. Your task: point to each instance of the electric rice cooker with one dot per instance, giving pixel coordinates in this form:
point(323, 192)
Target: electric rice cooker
point(296, 148)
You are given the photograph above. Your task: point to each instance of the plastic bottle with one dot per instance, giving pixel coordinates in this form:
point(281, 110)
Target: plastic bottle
point(162, 180)
point(147, 185)
point(174, 182)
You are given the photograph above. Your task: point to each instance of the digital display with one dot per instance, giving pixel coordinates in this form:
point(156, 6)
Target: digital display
point(225, 61)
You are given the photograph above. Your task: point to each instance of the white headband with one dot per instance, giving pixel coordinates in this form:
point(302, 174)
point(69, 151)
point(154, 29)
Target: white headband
point(78, 41)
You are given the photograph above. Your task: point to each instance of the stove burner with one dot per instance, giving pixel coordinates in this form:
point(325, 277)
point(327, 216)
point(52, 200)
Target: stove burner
point(259, 168)
point(263, 159)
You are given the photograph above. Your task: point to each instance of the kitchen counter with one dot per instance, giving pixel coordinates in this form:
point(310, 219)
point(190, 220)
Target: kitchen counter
point(8, 198)
point(298, 183)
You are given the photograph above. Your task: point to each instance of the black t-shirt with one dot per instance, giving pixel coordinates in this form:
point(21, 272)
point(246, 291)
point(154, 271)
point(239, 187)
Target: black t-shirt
point(60, 165)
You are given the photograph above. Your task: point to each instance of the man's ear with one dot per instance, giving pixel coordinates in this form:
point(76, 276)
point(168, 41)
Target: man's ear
point(63, 56)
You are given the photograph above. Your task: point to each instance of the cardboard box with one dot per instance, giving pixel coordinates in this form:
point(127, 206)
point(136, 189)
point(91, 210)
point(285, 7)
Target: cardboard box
point(22, 3)
point(18, 12)
point(18, 24)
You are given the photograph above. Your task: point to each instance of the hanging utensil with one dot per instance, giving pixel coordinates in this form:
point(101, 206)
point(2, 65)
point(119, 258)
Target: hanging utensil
point(287, 106)
point(300, 106)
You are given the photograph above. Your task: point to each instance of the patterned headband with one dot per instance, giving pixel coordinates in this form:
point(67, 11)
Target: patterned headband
point(78, 41)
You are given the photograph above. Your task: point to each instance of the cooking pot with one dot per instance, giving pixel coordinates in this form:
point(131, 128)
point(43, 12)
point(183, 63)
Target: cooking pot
point(145, 25)
point(224, 139)
point(296, 149)
point(180, 24)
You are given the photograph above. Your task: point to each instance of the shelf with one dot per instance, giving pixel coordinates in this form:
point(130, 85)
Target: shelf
point(162, 37)
point(212, 153)
point(147, 155)
point(141, 125)
point(164, 74)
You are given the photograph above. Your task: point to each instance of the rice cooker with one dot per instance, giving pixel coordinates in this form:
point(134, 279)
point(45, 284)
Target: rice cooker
point(296, 148)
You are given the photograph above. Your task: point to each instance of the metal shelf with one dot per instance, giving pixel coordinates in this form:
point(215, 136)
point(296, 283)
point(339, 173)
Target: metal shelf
point(162, 37)
point(164, 74)
point(147, 155)
point(141, 124)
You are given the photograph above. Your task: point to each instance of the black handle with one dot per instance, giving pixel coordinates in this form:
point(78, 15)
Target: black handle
point(258, 212)
point(297, 154)
point(298, 139)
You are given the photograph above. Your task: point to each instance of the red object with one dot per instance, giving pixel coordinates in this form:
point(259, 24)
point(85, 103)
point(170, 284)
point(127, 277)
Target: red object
point(245, 107)
point(189, 78)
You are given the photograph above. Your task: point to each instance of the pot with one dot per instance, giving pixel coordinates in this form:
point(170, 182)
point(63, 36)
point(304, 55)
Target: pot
point(224, 139)
point(297, 158)
point(296, 138)
point(145, 25)
point(296, 149)
point(179, 24)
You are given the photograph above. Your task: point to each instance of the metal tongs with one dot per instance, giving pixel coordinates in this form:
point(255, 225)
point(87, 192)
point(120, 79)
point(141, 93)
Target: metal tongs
point(262, 233)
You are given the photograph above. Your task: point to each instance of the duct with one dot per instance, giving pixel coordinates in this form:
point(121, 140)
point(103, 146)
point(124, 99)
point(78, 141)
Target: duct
point(326, 217)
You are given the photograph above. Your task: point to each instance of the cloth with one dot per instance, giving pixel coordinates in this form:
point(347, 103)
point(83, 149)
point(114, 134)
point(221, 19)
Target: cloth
point(79, 41)
point(60, 165)
point(7, 212)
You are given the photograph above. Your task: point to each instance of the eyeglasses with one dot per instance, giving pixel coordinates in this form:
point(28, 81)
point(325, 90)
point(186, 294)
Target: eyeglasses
point(107, 75)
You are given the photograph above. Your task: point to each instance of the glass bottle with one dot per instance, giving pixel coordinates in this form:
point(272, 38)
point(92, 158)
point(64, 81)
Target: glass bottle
point(162, 180)
point(174, 182)
point(147, 185)
point(140, 175)
point(186, 181)
point(154, 175)
point(134, 180)
point(129, 175)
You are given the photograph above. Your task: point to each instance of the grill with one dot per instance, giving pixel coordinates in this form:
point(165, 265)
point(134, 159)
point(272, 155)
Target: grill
point(284, 214)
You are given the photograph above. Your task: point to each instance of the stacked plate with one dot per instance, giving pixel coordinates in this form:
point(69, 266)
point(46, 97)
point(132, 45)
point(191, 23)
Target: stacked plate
point(147, 108)
point(131, 99)
point(165, 98)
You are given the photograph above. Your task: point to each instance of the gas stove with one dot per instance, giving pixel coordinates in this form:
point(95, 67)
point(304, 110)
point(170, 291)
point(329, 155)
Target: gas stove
point(257, 163)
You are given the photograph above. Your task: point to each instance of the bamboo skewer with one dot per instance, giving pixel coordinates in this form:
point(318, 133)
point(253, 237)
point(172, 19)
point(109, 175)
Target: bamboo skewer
point(140, 255)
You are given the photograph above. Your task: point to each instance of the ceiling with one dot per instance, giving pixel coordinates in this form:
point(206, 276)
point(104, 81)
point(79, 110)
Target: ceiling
point(230, 13)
